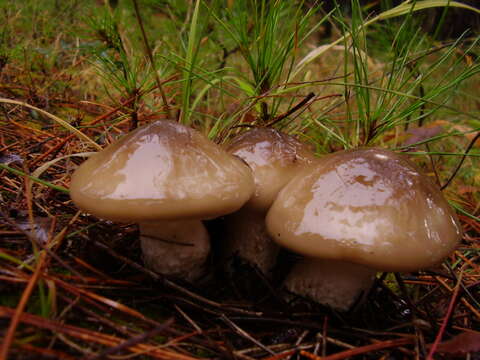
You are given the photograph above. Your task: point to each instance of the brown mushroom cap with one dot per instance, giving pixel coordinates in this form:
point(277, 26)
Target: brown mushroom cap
point(274, 157)
point(161, 171)
point(367, 206)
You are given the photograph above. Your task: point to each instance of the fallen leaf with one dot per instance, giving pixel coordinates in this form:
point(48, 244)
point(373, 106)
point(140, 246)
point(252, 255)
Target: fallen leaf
point(420, 134)
point(10, 158)
point(40, 228)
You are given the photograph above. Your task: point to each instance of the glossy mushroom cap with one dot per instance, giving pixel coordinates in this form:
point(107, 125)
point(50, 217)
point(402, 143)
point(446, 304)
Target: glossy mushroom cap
point(369, 206)
point(274, 157)
point(161, 171)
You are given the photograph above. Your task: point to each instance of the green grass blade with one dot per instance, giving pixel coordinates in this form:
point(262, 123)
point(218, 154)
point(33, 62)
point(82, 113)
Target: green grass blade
point(192, 49)
point(33, 178)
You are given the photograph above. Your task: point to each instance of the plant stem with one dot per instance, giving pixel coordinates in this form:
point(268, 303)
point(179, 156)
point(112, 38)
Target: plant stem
point(150, 57)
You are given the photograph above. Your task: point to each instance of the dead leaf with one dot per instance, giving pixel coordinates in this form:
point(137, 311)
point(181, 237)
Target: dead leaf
point(40, 228)
point(467, 189)
point(459, 130)
point(10, 158)
point(420, 134)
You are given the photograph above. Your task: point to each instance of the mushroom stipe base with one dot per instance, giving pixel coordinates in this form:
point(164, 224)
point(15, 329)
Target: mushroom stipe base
point(175, 248)
point(337, 284)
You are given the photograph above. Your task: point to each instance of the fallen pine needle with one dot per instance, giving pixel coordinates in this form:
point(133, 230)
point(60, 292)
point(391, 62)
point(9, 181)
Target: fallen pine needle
point(359, 350)
point(281, 355)
point(7, 341)
point(56, 119)
point(92, 336)
point(450, 308)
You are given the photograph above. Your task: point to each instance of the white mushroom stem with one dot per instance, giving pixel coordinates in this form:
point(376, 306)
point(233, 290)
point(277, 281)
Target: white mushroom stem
point(248, 239)
point(337, 284)
point(176, 248)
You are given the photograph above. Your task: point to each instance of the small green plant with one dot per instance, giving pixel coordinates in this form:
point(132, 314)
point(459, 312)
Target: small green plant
point(403, 86)
point(268, 35)
point(125, 69)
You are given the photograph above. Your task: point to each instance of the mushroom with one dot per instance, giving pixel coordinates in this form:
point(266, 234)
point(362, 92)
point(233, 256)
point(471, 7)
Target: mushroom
point(168, 178)
point(274, 158)
point(357, 212)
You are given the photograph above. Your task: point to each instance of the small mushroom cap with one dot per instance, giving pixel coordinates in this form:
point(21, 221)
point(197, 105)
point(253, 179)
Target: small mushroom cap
point(161, 171)
point(274, 157)
point(367, 206)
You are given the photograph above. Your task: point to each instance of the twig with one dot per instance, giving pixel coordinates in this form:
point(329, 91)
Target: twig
point(53, 149)
point(7, 341)
point(197, 328)
point(129, 101)
point(360, 350)
point(246, 335)
point(56, 119)
point(46, 247)
point(300, 339)
point(432, 164)
point(92, 336)
point(150, 57)
point(41, 259)
point(451, 306)
point(132, 341)
point(97, 317)
point(324, 336)
point(291, 111)
point(45, 353)
point(282, 355)
point(469, 147)
point(172, 284)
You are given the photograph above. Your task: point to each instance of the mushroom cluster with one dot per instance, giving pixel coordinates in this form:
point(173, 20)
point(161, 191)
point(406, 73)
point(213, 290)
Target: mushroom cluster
point(350, 214)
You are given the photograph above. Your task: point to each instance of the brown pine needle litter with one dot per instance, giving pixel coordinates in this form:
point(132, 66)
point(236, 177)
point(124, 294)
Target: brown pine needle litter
point(73, 286)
